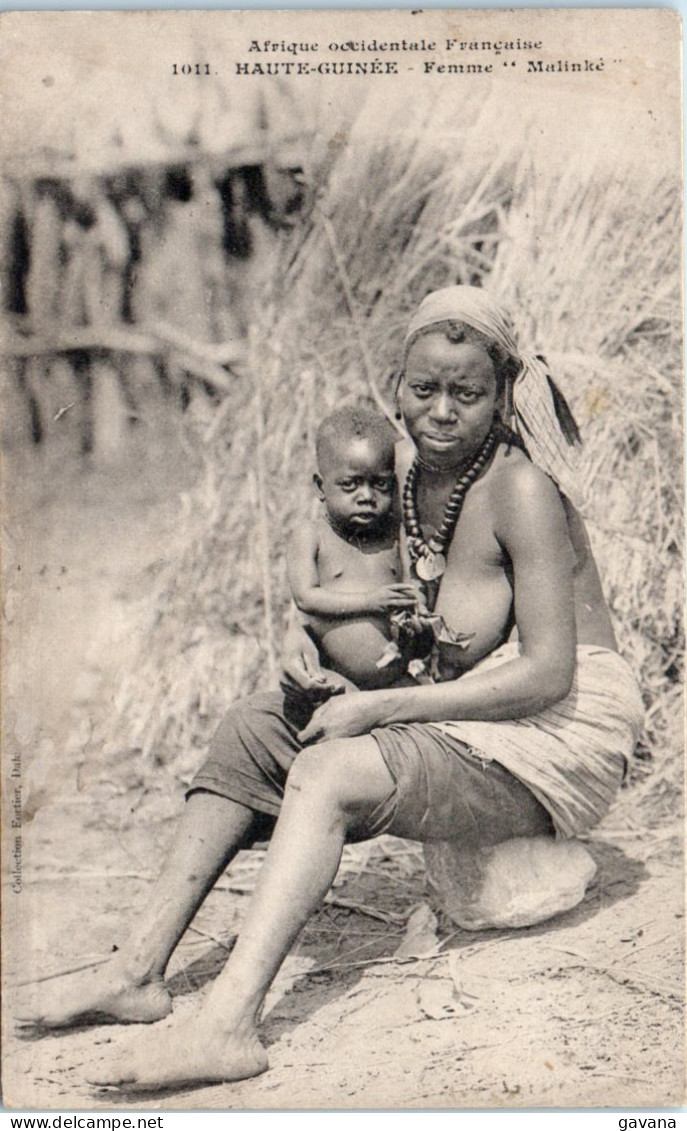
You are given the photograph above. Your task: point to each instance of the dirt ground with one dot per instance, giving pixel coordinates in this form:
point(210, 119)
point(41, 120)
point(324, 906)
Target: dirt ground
point(585, 1010)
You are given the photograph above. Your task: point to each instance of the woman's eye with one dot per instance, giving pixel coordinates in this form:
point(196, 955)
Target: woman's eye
point(422, 390)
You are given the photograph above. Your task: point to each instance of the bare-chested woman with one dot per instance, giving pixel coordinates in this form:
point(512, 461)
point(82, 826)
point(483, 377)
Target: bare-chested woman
point(537, 689)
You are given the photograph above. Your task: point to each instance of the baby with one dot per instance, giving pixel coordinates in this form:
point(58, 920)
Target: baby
point(344, 567)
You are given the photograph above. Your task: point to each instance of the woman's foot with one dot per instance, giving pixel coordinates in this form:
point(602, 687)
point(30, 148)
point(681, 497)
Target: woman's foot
point(108, 994)
point(185, 1053)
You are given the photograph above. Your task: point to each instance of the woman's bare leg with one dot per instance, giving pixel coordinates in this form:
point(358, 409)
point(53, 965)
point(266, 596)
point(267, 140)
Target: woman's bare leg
point(329, 788)
point(130, 986)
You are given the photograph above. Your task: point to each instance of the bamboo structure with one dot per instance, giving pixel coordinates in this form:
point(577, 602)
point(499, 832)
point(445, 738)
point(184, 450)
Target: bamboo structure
point(132, 262)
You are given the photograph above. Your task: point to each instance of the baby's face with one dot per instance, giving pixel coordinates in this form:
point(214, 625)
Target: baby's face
point(356, 482)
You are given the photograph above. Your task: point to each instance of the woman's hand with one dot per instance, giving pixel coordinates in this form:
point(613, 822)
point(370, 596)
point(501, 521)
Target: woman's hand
point(344, 716)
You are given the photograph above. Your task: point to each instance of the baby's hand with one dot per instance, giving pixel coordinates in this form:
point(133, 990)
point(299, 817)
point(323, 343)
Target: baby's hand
point(390, 598)
point(338, 684)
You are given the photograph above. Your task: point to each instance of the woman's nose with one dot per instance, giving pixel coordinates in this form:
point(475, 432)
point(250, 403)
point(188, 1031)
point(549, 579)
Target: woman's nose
point(443, 407)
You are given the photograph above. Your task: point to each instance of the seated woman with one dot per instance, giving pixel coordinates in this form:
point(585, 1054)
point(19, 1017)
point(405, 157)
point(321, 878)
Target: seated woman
point(513, 739)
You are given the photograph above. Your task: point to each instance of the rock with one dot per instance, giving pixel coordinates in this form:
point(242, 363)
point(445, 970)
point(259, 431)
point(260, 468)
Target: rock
point(421, 934)
point(513, 884)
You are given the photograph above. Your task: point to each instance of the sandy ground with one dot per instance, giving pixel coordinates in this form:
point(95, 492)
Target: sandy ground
point(583, 1011)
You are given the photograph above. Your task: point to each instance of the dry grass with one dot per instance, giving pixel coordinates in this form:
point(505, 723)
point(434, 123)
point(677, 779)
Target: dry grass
point(586, 256)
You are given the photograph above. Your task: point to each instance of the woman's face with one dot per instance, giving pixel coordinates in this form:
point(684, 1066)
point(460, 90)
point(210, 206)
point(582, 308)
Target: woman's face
point(448, 396)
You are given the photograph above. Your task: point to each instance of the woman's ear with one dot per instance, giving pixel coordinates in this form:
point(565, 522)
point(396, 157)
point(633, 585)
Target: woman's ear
point(319, 486)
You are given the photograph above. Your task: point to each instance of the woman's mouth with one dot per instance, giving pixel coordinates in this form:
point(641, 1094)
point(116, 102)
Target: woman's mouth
point(440, 439)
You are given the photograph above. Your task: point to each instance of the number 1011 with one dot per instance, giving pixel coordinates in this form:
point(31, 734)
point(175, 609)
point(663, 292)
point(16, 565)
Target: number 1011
point(190, 68)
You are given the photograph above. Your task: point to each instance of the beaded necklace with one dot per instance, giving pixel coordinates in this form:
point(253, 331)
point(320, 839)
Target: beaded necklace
point(429, 558)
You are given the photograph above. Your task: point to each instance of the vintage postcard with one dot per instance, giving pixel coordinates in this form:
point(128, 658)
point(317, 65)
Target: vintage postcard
point(342, 527)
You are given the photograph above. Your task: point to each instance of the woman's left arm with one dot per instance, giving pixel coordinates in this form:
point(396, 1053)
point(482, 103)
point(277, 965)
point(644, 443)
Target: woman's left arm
point(530, 524)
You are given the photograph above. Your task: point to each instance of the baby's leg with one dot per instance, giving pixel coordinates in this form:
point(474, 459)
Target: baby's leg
point(130, 987)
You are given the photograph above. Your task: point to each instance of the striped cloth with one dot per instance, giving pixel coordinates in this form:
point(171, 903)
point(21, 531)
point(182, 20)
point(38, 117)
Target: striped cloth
point(572, 756)
point(541, 417)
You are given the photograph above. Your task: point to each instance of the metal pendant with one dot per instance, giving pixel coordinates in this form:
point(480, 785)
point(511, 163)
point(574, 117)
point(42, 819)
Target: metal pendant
point(430, 566)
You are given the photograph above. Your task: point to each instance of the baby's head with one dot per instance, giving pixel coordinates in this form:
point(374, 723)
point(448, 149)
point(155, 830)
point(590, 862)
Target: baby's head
point(355, 476)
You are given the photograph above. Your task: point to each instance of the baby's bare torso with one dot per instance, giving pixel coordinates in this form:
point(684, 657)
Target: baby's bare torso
point(352, 646)
point(475, 597)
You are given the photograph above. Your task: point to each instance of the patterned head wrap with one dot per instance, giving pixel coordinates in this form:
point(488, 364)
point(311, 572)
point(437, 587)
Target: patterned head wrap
point(541, 415)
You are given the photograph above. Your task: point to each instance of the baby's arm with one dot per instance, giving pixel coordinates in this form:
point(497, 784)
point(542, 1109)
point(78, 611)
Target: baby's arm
point(316, 600)
point(303, 672)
